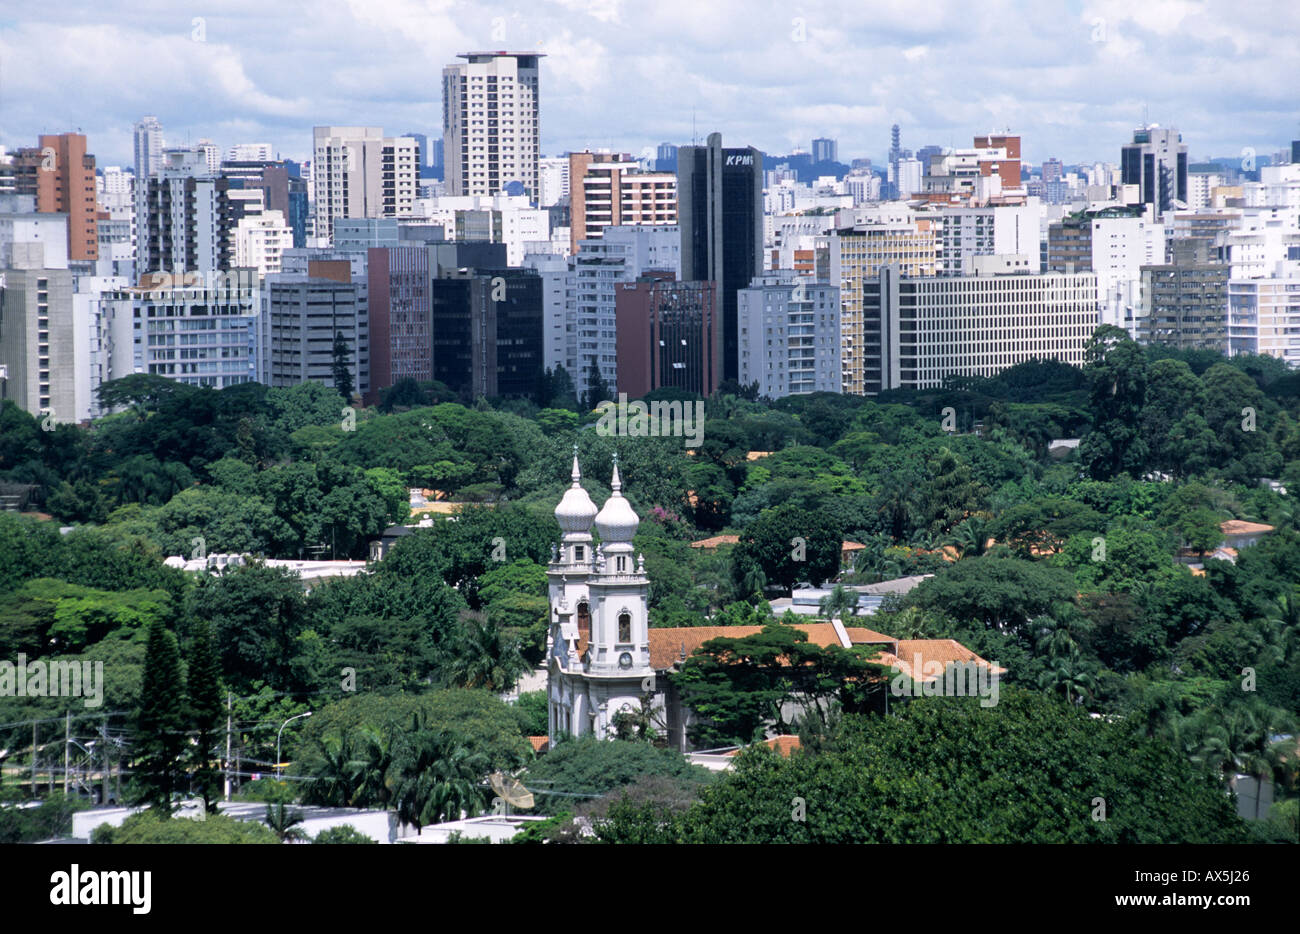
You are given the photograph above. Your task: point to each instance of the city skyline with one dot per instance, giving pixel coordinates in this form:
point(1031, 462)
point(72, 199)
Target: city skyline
point(1072, 82)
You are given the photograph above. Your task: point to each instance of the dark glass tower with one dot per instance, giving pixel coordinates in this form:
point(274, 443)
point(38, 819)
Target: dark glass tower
point(720, 211)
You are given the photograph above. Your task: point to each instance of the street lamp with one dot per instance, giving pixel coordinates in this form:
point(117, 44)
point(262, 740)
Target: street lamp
point(279, 770)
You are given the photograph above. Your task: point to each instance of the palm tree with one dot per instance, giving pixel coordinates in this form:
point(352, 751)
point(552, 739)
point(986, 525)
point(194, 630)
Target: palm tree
point(837, 602)
point(374, 758)
point(971, 538)
point(283, 822)
point(485, 658)
point(436, 777)
point(336, 776)
point(1068, 674)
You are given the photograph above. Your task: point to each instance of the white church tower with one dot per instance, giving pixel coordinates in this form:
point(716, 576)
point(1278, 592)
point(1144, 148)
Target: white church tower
point(598, 646)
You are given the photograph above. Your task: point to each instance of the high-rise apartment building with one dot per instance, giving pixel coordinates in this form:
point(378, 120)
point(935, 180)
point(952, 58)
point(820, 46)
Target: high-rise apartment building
point(865, 241)
point(1156, 161)
point(186, 221)
point(824, 150)
point(607, 190)
point(1264, 316)
point(553, 175)
point(38, 337)
point(920, 330)
point(491, 123)
point(60, 174)
point(790, 335)
point(359, 172)
point(668, 335)
point(302, 317)
point(720, 212)
point(198, 330)
point(148, 136)
point(1185, 305)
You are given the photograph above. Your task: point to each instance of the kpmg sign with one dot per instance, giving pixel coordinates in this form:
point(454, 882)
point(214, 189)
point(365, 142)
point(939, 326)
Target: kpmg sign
point(747, 159)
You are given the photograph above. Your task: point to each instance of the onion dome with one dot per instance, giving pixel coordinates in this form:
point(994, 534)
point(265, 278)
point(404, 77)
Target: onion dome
point(576, 510)
point(616, 521)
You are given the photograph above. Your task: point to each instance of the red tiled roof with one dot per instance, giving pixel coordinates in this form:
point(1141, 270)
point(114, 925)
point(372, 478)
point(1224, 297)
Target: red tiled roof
point(931, 653)
point(715, 541)
point(782, 744)
point(666, 645)
point(539, 743)
point(1242, 527)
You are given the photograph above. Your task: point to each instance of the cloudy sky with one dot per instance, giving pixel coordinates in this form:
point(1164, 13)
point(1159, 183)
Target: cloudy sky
point(1072, 78)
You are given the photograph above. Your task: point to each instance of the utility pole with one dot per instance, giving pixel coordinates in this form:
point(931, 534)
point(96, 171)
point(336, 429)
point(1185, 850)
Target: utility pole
point(67, 744)
point(103, 777)
point(229, 724)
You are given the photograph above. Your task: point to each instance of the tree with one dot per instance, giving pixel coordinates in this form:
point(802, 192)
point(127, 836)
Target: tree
point(484, 657)
point(839, 601)
point(1041, 768)
point(587, 766)
point(284, 823)
point(342, 366)
point(1116, 369)
point(790, 545)
point(204, 688)
point(739, 688)
point(435, 776)
point(1000, 593)
point(597, 388)
point(344, 833)
point(150, 828)
point(160, 721)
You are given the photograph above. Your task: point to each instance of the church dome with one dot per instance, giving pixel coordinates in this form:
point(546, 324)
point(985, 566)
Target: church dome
point(576, 510)
point(616, 521)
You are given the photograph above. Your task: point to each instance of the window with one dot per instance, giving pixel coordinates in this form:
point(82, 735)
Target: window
point(584, 617)
point(625, 627)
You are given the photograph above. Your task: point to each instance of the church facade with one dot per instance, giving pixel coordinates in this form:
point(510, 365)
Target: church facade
point(598, 641)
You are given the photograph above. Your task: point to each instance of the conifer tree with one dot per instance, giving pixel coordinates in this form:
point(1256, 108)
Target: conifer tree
point(205, 709)
point(160, 721)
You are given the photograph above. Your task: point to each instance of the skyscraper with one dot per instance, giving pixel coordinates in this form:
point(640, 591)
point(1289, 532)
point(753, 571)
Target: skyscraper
point(61, 175)
point(148, 148)
point(606, 190)
point(1156, 161)
point(359, 172)
point(824, 150)
point(720, 212)
point(490, 122)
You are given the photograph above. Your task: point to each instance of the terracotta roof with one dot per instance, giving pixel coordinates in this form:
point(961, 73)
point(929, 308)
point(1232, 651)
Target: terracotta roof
point(715, 541)
point(931, 652)
point(539, 743)
point(782, 744)
point(1242, 527)
point(851, 546)
point(666, 645)
point(755, 455)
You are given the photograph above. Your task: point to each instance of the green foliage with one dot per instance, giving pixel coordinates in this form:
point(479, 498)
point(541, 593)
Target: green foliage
point(946, 770)
point(160, 722)
point(344, 833)
point(789, 545)
point(149, 827)
point(51, 819)
point(587, 767)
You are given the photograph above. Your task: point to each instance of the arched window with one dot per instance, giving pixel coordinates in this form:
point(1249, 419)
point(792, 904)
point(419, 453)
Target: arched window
point(624, 627)
point(584, 618)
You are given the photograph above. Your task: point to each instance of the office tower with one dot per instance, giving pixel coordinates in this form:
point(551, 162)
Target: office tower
point(301, 318)
point(359, 172)
point(1156, 161)
point(491, 122)
point(553, 175)
point(1264, 316)
point(186, 224)
point(824, 150)
point(437, 161)
point(148, 147)
point(282, 190)
point(987, 173)
point(961, 233)
point(1006, 165)
point(920, 330)
point(37, 330)
point(606, 190)
point(666, 158)
point(668, 335)
point(197, 330)
point(211, 155)
point(1114, 243)
point(400, 315)
point(557, 288)
point(488, 331)
point(925, 154)
point(1295, 151)
point(260, 240)
point(864, 242)
point(790, 335)
point(1053, 170)
point(720, 212)
point(115, 192)
point(1185, 305)
point(61, 176)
